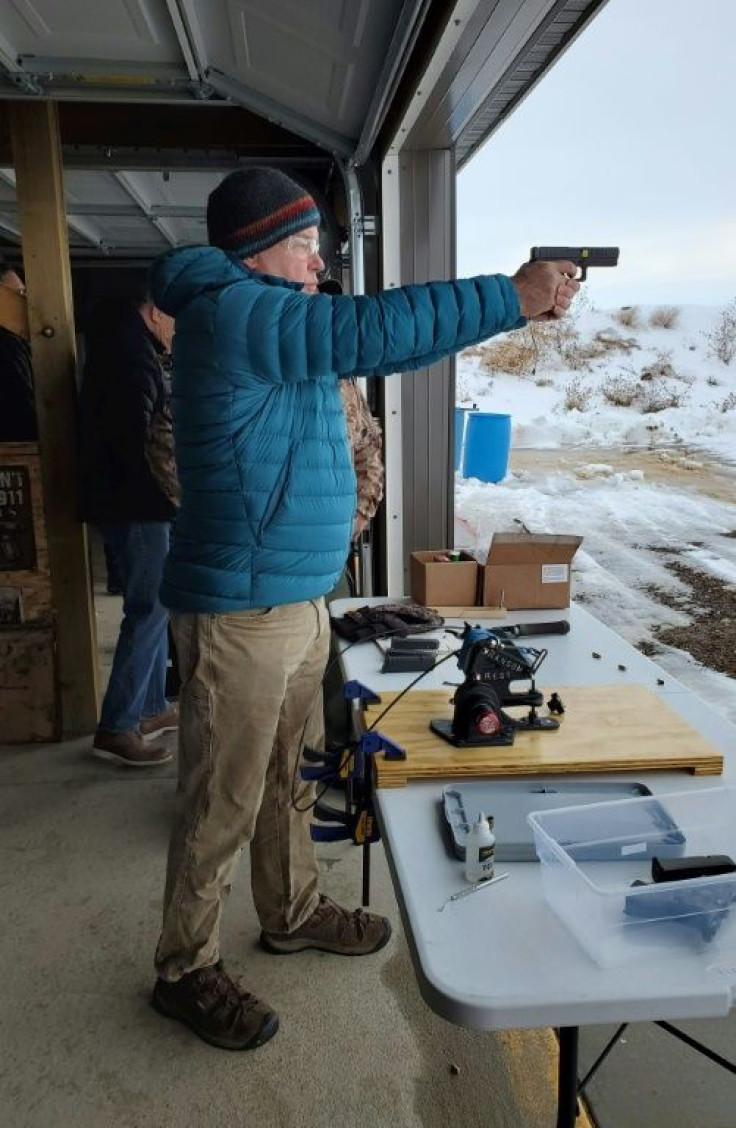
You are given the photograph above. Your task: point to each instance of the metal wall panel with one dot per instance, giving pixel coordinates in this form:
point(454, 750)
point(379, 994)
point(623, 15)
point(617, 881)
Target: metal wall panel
point(427, 203)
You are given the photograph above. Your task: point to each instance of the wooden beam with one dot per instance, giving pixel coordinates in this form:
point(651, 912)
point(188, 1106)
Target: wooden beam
point(38, 166)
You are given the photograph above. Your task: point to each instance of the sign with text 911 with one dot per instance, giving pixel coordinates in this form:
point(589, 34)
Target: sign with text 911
point(17, 540)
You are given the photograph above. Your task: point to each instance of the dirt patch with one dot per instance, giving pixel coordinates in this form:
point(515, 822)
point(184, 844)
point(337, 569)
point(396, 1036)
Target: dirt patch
point(712, 605)
point(681, 469)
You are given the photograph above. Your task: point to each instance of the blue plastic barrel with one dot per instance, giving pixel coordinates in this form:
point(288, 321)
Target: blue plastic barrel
point(487, 444)
point(460, 414)
point(461, 428)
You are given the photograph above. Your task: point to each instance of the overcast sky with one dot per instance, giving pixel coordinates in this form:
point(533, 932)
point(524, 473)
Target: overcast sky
point(630, 140)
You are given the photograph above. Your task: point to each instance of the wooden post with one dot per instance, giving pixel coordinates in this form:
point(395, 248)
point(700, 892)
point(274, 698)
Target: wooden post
point(38, 167)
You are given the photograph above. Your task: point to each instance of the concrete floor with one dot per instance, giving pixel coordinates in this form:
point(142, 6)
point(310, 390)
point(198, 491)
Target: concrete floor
point(82, 849)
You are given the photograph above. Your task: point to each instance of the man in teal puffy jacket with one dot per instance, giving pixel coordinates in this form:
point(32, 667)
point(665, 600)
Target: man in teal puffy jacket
point(268, 498)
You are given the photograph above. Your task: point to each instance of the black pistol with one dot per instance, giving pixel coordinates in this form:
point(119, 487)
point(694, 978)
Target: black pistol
point(581, 256)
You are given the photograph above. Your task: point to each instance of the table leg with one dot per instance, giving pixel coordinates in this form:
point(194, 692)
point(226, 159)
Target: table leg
point(567, 1073)
point(366, 873)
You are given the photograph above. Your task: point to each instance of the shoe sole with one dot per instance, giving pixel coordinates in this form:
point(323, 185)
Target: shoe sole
point(288, 948)
point(114, 758)
point(268, 1028)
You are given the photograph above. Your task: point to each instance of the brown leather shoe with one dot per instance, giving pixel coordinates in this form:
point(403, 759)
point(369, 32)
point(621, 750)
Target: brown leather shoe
point(216, 1009)
point(129, 749)
point(331, 928)
point(168, 721)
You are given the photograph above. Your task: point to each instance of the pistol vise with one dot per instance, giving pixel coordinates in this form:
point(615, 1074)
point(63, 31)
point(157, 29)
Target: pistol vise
point(491, 662)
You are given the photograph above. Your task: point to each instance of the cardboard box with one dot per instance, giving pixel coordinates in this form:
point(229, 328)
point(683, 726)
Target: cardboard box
point(437, 584)
point(525, 570)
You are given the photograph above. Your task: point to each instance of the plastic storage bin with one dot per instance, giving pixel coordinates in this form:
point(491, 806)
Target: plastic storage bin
point(592, 854)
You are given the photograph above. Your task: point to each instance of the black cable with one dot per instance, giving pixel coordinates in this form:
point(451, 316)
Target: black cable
point(353, 744)
point(452, 654)
point(344, 762)
point(350, 749)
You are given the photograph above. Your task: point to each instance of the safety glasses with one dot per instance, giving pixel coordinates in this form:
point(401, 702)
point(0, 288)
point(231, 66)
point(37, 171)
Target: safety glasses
point(305, 246)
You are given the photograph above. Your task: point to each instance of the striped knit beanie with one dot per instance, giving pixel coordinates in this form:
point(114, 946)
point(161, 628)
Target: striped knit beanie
point(255, 208)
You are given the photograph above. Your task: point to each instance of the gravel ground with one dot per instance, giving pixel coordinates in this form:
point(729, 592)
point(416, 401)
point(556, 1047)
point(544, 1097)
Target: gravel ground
point(711, 605)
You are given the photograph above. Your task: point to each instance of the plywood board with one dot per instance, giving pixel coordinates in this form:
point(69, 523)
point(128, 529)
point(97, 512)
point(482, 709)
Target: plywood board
point(604, 729)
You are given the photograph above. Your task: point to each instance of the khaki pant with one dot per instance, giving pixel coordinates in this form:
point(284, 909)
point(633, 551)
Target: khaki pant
point(250, 683)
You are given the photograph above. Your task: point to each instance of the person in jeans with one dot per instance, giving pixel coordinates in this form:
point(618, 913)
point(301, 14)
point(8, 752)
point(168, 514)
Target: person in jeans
point(123, 386)
point(268, 502)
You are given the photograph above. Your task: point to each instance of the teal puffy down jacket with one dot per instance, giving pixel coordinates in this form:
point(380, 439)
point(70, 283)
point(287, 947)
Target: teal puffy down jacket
point(268, 488)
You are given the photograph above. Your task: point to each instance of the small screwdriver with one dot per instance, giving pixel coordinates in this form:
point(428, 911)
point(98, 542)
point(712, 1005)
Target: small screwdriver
point(473, 889)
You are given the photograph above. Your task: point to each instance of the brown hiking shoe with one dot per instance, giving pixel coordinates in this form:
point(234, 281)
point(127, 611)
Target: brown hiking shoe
point(216, 1009)
point(129, 749)
point(168, 721)
point(331, 928)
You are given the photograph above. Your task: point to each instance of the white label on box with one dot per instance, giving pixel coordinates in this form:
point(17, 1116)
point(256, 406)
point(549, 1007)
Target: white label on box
point(555, 573)
point(636, 848)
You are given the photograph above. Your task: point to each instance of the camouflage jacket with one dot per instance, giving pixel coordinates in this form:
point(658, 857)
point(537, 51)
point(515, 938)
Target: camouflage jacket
point(364, 434)
point(159, 448)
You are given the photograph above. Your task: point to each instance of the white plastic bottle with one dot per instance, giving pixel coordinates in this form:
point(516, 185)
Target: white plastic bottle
point(479, 851)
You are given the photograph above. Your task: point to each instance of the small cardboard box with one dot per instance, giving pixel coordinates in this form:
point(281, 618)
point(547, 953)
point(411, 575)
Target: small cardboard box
point(438, 584)
point(525, 570)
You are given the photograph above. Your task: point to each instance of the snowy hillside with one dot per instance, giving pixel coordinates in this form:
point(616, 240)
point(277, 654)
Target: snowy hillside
point(599, 363)
point(625, 433)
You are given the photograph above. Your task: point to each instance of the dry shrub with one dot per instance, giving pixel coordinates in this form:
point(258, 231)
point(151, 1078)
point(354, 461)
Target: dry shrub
point(518, 354)
point(562, 338)
point(662, 368)
point(722, 338)
point(628, 316)
point(659, 369)
point(729, 403)
point(463, 388)
point(658, 396)
point(588, 350)
point(575, 353)
point(664, 317)
point(544, 382)
point(577, 395)
point(608, 342)
point(712, 381)
point(621, 390)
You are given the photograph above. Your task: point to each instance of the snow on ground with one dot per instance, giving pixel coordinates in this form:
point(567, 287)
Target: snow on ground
point(626, 520)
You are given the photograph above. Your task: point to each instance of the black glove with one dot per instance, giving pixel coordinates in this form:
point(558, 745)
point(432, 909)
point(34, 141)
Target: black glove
point(367, 623)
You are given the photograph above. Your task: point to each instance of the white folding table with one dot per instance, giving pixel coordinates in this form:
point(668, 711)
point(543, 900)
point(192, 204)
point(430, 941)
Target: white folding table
point(501, 959)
